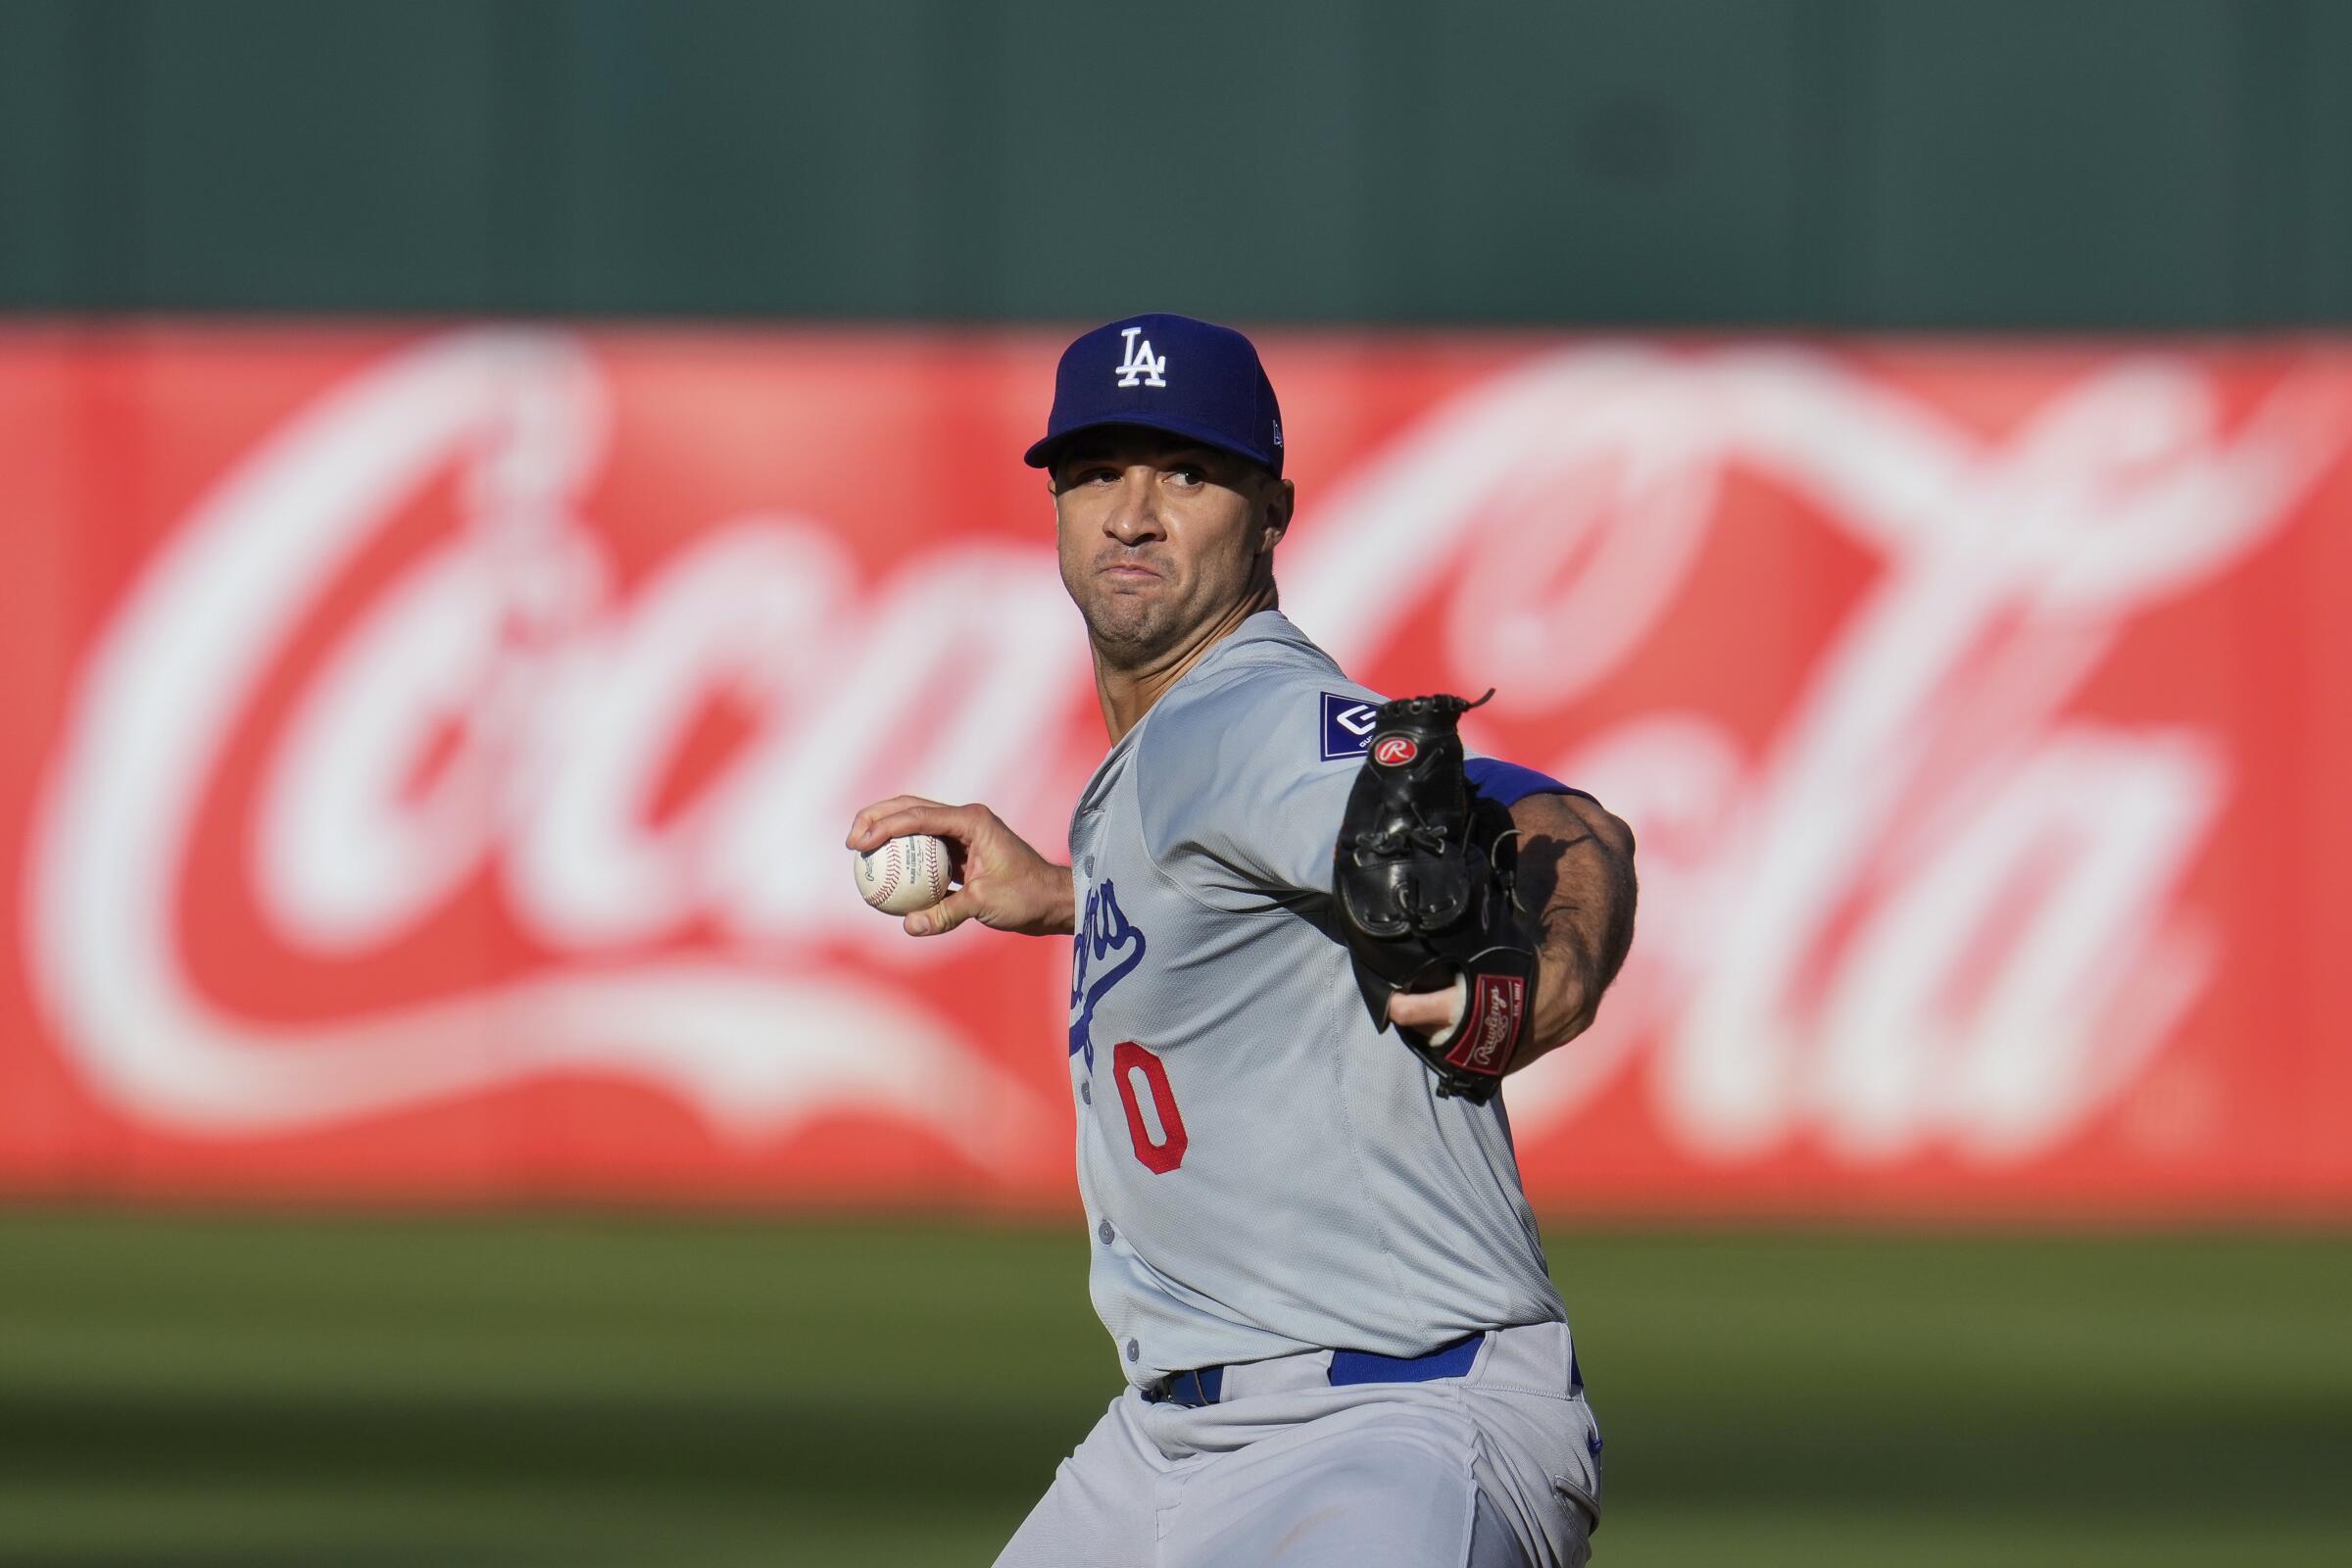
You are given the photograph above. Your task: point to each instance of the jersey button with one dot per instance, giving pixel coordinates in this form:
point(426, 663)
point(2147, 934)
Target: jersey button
point(1104, 1231)
point(1086, 867)
point(1086, 1092)
point(1134, 1350)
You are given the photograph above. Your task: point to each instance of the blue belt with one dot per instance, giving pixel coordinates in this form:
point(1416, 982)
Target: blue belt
point(1204, 1385)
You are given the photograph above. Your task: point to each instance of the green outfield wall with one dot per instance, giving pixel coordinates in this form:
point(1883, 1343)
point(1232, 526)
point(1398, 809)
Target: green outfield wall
point(2000, 164)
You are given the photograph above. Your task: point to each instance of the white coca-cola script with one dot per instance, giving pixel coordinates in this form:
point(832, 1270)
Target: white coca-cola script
point(1934, 910)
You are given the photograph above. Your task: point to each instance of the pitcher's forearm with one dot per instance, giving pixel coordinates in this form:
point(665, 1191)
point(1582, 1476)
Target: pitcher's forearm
point(1577, 869)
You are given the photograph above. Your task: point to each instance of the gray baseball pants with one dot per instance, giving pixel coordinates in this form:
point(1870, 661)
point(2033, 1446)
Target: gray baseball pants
point(1496, 1468)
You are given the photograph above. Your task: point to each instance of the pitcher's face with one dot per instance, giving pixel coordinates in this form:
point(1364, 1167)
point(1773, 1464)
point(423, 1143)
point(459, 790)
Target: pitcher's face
point(1159, 537)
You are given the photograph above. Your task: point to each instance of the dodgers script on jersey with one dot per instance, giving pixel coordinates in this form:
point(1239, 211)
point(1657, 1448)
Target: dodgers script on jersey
point(1262, 1172)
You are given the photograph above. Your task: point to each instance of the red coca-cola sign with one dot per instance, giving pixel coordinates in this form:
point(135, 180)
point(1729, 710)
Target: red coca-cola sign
point(428, 754)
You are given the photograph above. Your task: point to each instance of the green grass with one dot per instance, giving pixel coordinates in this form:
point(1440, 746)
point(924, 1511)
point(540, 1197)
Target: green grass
point(276, 1391)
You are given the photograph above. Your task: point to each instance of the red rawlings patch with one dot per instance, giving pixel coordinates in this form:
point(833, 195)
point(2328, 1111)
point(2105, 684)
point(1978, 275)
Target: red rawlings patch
point(1394, 750)
point(1485, 1042)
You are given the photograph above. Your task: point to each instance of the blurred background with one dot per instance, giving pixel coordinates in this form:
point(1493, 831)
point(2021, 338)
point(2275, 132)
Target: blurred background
point(489, 489)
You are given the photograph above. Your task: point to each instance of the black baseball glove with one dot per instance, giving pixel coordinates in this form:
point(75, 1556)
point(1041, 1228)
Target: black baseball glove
point(1423, 873)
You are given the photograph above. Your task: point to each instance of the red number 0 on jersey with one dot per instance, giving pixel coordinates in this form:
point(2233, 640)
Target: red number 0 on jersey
point(1128, 1063)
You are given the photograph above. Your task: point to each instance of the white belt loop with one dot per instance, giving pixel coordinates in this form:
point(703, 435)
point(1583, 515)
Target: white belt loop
point(1283, 1374)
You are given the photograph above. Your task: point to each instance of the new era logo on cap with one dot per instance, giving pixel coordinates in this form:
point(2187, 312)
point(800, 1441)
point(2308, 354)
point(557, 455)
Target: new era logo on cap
point(1220, 396)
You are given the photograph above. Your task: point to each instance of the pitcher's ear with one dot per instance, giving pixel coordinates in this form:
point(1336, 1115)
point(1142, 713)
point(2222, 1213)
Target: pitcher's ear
point(1280, 496)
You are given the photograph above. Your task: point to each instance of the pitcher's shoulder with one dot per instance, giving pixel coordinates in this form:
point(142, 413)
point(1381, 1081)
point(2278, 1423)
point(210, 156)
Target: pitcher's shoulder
point(1240, 783)
point(1274, 705)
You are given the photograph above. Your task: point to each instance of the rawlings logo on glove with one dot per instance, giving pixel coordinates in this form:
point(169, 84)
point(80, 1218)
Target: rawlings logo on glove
point(1423, 874)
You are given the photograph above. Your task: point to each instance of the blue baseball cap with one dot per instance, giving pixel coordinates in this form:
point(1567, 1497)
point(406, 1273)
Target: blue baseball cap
point(1167, 372)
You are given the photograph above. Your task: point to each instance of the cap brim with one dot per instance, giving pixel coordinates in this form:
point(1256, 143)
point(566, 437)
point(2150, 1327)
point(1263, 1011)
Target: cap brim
point(1041, 453)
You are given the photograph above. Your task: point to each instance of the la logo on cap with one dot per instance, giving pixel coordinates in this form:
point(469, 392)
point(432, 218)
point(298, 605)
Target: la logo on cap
point(1139, 362)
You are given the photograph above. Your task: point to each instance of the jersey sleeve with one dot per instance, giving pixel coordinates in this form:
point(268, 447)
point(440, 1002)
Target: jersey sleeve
point(1507, 783)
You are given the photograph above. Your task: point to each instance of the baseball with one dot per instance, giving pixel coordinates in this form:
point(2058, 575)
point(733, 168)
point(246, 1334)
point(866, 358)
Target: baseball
point(904, 874)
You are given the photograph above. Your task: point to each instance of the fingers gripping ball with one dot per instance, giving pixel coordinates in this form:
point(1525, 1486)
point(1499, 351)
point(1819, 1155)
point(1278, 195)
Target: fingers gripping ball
point(904, 874)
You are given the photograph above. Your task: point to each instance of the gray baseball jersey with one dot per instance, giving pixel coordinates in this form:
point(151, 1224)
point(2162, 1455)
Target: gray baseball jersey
point(1262, 1172)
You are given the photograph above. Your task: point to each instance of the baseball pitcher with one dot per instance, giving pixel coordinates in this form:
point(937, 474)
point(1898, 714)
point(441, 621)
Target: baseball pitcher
point(1311, 938)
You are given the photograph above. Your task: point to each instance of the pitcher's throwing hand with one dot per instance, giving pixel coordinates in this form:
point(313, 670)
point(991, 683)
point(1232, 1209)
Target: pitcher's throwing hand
point(1006, 884)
